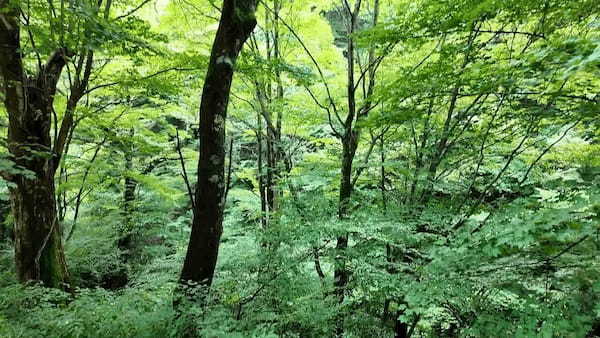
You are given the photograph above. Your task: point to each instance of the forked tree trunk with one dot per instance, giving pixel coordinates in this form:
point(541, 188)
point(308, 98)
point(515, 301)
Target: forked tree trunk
point(236, 24)
point(350, 139)
point(29, 102)
point(39, 254)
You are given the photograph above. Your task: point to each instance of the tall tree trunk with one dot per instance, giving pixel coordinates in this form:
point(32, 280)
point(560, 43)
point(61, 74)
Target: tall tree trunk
point(264, 95)
point(278, 150)
point(39, 254)
point(236, 24)
point(350, 139)
point(349, 145)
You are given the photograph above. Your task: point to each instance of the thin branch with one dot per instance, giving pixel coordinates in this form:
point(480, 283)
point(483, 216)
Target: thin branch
point(374, 139)
point(333, 128)
point(536, 35)
point(514, 153)
point(565, 250)
point(133, 10)
point(184, 172)
point(79, 198)
point(310, 55)
point(110, 84)
point(545, 151)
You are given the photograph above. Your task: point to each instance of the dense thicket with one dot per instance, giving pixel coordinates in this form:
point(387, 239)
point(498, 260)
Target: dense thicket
point(357, 168)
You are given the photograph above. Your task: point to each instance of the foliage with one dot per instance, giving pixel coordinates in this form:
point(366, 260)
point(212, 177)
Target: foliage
point(476, 199)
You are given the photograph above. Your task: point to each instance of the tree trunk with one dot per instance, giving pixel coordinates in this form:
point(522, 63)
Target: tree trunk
point(126, 236)
point(341, 274)
point(39, 254)
point(350, 139)
point(236, 24)
point(272, 172)
point(125, 240)
point(264, 95)
point(6, 229)
point(349, 145)
point(261, 179)
point(400, 328)
point(382, 171)
point(278, 150)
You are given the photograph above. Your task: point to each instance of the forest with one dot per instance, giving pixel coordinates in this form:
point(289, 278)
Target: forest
point(299, 168)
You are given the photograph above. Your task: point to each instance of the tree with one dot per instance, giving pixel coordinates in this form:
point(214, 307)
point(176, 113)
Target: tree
point(235, 26)
point(266, 102)
point(39, 137)
point(350, 134)
point(39, 253)
point(482, 77)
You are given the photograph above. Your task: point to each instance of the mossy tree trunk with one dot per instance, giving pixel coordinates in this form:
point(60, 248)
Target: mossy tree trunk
point(39, 254)
point(29, 100)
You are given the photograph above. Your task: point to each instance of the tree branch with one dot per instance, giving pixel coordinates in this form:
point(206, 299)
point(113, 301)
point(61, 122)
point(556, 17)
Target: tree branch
point(184, 172)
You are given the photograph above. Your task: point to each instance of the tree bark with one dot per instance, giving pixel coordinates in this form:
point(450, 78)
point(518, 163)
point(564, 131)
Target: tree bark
point(236, 23)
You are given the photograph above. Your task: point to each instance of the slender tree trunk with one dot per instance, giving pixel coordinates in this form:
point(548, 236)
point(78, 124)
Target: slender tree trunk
point(350, 143)
point(236, 24)
point(270, 176)
point(261, 177)
point(126, 236)
point(278, 150)
point(272, 163)
point(382, 170)
point(125, 241)
point(264, 96)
